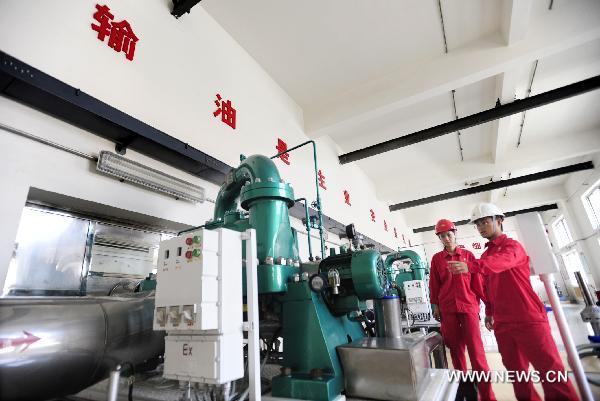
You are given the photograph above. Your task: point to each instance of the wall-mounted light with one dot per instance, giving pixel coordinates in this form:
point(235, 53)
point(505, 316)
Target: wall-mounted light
point(129, 170)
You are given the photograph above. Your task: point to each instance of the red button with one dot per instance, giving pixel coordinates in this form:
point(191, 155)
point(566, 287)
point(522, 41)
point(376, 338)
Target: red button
point(188, 254)
point(189, 241)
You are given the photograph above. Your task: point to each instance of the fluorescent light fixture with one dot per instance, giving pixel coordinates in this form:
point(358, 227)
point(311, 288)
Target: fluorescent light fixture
point(129, 170)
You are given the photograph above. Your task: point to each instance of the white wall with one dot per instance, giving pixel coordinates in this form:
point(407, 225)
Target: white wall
point(171, 84)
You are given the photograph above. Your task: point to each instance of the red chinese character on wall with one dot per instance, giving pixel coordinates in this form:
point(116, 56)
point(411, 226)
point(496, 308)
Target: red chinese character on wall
point(120, 34)
point(282, 147)
point(321, 177)
point(226, 110)
point(476, 245)
point(372, 215)
point(395, 233)
point(385, 225)
point(461, 246)
point(347, 197)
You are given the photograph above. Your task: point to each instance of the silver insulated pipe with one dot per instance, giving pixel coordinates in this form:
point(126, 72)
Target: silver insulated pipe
point(56, 346)
point(388, 317)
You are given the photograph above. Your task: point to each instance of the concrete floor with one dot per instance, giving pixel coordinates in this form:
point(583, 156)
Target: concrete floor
point(579, 331)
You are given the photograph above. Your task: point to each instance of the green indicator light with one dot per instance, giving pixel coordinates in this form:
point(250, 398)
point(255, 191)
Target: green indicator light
point(197, 239)
point(197, 252)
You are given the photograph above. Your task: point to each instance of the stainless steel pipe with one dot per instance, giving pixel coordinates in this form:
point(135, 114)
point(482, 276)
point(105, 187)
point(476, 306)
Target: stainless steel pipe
point(113, 384)
point(56, 346)
point(388, 317)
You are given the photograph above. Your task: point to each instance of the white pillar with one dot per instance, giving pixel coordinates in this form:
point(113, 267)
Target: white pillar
point(252, 323)
point(12, 202)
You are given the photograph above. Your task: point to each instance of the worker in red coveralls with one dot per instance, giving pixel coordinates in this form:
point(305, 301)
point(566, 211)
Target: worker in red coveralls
point(456, 305)
point(513, 310)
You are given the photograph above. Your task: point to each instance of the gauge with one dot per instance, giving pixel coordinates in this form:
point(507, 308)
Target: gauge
point(317, 283)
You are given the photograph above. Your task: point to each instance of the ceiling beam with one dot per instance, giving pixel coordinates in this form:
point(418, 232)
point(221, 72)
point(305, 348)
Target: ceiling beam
point(495, 185)
point(513, 26)
point(482, 117)
point(540, 153)
point(573, 24)
point(515, 20)
point(552, 206)
point(506, 86)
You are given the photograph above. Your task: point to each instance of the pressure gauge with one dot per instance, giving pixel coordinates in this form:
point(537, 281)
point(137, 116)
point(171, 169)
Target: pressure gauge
point(317, 283)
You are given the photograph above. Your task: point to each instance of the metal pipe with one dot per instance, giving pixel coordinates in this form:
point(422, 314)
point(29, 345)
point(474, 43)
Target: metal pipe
point(443, 26)
point(587, 296)
point(460, 148)
point(482, 117)
point(388, 317)
point(310, 256)
point(48, 142)
point(565, 333)
point(113, 384)
point(591, 313)
point(80, 339)
point(527, 95)
point(318, 201)
point(583, 347)
point(495, 185)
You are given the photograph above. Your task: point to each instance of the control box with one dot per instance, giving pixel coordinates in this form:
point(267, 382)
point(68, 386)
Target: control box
point(199, 304)
point(417, 299)
point(534, 237)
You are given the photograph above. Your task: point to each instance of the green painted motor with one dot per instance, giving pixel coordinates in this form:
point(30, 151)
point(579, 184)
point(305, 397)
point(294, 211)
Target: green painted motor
point(351, 278)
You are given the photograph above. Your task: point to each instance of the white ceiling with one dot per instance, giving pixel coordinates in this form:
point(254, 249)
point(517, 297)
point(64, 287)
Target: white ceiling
point(365, 72)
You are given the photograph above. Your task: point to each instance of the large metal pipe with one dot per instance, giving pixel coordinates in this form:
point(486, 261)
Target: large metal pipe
point(485, 116)
point(56, 346)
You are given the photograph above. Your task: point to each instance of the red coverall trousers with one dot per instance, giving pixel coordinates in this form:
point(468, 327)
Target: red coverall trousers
point(458, 296)
point(461, 330)
point(520, 344)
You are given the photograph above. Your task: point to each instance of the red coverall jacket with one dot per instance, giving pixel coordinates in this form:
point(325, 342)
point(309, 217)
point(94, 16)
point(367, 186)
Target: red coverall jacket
point(510, 297)
point(454, 293)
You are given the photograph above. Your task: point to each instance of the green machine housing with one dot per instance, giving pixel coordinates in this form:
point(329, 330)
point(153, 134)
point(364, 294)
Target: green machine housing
point(316, 305)
point(418, 269)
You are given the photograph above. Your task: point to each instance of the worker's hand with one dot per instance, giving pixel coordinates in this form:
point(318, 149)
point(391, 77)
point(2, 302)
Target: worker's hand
point(436, 314)
point(458, 267)
point(489, 323)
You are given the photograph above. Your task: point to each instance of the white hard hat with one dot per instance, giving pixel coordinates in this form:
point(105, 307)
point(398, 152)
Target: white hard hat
point(485, 209)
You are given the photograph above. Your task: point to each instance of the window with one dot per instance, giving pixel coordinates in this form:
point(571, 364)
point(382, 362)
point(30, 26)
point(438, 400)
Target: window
point(573, 264)
point(562, 232)
point(591, 201)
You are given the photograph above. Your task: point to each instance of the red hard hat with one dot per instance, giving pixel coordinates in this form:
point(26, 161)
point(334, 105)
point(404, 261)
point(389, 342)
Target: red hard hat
point(444, 225)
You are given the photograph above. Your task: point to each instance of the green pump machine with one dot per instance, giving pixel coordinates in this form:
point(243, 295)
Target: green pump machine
point(405, 265)
point(316, 305)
